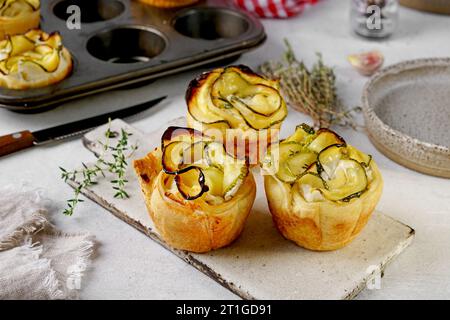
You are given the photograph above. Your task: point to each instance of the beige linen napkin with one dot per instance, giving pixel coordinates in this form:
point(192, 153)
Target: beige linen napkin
point(36, 260)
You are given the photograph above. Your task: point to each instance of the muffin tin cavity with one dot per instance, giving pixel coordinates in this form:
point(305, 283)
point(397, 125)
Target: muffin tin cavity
point(126, 45)
point(211, 24)
point(91, 10)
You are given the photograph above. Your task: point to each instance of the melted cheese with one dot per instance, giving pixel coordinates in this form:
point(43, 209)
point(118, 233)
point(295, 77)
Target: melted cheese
point(310, 194)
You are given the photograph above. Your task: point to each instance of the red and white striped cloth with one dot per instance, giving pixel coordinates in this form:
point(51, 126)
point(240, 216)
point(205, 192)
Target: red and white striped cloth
point(274, 8)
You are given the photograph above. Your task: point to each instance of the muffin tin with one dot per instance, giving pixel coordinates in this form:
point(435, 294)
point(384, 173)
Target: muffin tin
point(123, 42)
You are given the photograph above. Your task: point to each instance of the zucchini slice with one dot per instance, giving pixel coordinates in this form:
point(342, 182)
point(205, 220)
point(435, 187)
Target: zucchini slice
point(194, 153)
point(29, 70)
point(50, 61)
point(5, 48)
point(314, 180)
point(234, 173)
point(191, 184)
point(31, 54)
point(290, 160)
point(43, 49)
point(298, 163)
point(255, 120)
point(234, 170)
point(325, 138)
point(53, 40)
point(214, 180)
point(302, 134)
point(320, 165)
point(173, 157)
point(235, 97)
point(262, 100)
point(199, 101)
point(349, 181)
point(201, 165)
point(20, 44)
point(359, 156)
point(310, 186)
point(35, 4)
point(185, 149)
point(37, 36)
point(329, 158)
point(3, 69)
point(15, 8)
point(258, 98)
point(187, 135)
point(215, 154)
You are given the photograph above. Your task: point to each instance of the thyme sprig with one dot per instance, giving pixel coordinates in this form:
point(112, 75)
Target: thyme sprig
point(112, 160)
point(311, 91)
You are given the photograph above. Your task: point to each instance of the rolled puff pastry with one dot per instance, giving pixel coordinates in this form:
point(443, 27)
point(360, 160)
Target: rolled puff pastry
point(20, 18)
point(194, 225)
point(23, 68)
point(322, 225)
point(236, 126)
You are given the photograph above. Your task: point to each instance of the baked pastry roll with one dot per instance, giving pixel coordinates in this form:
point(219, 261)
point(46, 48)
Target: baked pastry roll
point(198, 196)
point(238, 106)
point(18, 16)
point(169, 3)
point(321, 191)
point(32, 60)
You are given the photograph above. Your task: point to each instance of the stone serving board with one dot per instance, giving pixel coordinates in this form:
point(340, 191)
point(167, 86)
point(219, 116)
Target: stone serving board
point(261, 264)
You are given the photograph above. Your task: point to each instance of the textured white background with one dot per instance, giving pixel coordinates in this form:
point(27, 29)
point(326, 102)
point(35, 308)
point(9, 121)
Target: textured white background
point(129, 265)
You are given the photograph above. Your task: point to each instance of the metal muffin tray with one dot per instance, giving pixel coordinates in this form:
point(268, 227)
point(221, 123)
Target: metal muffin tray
point(124, 42)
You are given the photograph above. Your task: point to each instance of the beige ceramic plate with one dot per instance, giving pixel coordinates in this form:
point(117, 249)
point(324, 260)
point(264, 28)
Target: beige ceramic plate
point(407, 113)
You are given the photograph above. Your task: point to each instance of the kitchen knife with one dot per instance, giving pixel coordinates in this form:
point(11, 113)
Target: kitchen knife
point(26, 139)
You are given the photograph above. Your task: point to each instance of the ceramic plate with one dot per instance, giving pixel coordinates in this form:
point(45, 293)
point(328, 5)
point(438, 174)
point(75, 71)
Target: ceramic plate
point(407, 113)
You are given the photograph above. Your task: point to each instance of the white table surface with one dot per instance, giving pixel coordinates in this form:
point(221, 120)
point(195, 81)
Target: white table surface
point(128, 265)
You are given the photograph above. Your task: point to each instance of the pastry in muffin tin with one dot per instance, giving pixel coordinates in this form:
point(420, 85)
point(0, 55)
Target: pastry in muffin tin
point(169, 3)
point(33, 60)
point(18, 16)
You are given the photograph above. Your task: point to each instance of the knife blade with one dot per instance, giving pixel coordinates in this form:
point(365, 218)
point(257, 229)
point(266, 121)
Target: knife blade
point(25, 139)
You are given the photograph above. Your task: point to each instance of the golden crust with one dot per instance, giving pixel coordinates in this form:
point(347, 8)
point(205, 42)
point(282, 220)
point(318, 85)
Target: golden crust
point(64, 70)
point(192, 225)
point(169, 3)
point(320, 226)
point(19, 24)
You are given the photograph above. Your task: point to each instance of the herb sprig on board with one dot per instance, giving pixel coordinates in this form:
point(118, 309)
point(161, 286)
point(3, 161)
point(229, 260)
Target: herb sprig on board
point(113, 160)
point(311, 91)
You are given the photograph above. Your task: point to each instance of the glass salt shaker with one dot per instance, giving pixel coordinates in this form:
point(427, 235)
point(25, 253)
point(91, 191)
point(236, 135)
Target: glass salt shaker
point(374, 18)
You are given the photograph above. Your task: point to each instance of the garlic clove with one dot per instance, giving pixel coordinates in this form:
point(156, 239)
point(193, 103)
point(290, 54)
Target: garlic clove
point(367, 63)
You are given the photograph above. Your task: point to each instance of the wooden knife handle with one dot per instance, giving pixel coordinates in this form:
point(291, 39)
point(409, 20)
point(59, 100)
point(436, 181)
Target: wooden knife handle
point(15, 142)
